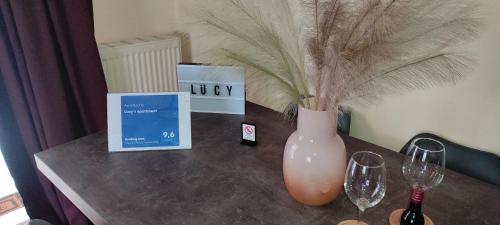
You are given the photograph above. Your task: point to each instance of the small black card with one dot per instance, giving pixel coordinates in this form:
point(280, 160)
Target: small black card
point(248, 134)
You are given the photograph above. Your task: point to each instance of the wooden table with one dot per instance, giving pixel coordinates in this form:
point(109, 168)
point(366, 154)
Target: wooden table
point(221, 182)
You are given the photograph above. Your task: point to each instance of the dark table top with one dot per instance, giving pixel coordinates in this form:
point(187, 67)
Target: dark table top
point(221, 182)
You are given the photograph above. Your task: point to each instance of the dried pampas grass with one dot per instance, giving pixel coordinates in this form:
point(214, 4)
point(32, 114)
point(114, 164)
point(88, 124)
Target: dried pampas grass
point(319, 54)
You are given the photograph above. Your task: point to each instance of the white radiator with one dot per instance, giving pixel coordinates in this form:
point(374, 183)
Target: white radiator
point(141, 65)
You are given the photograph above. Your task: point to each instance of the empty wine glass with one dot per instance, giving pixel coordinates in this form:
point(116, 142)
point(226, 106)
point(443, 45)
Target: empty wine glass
point(424, 164)
point(365, 181)
point(423, 168)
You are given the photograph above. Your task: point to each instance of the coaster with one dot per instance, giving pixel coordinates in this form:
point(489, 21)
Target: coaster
point(351, 222)
point(395, 218)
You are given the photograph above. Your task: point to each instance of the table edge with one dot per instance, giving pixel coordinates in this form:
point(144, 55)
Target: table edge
point(78, 201)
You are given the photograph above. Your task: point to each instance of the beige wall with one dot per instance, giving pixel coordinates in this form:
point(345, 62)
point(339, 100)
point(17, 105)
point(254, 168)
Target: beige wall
point(468, 113)
point(125, 19)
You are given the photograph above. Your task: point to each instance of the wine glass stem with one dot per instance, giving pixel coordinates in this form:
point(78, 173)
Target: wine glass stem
point(417, 195)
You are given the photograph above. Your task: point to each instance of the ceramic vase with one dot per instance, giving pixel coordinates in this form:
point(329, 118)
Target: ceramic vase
point(314, 160)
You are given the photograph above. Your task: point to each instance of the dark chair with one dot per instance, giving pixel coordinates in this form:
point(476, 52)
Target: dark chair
point(344, 120)
point(471, 162)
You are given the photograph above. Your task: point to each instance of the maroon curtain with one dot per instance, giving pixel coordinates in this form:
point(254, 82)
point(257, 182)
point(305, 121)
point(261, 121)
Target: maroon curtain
point(52, 90)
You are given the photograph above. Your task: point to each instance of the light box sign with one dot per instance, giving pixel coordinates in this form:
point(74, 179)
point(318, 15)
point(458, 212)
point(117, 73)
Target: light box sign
point(214, 89)
point(149, 121)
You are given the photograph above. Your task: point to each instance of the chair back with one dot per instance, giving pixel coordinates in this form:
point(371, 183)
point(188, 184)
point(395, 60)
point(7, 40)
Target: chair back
point(471, 162)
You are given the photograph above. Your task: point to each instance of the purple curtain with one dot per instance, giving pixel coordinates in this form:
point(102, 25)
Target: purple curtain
point(52, 90)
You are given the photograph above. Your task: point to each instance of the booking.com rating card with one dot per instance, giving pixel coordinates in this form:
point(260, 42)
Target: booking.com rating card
point(149, 121)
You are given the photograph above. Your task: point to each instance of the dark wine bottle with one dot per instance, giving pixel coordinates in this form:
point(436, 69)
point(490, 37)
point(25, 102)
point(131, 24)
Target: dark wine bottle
point(413, 214)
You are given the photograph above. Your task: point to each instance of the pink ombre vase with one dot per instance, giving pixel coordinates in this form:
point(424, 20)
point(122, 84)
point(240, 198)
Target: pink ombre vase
point(314, 161)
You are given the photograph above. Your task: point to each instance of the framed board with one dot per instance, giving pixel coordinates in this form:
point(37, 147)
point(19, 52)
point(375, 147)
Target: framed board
point(149, 121)
point(213, 89)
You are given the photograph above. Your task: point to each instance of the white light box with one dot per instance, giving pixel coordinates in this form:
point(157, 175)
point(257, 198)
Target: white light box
point(214, 89)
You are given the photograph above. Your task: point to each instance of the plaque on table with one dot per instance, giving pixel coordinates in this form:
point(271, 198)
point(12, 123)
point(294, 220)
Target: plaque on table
point(149, 121)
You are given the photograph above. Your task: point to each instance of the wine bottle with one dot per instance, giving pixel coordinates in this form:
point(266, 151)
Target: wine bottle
point(413, 214)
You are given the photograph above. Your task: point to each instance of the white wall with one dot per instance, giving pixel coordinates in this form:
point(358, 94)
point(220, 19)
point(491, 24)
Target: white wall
point(468, 113)
point(124, 19)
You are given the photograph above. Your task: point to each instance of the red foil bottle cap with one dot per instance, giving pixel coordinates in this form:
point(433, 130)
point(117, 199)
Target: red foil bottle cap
point(417, 196)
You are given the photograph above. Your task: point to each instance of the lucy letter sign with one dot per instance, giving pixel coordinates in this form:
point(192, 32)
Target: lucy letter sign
point(214, 89)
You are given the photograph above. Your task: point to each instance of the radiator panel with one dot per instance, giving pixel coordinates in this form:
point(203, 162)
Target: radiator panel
point(141, 65)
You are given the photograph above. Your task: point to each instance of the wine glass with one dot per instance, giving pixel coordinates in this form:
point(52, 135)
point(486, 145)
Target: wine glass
point(423, 168)
point(365, 182)
point(424, 164)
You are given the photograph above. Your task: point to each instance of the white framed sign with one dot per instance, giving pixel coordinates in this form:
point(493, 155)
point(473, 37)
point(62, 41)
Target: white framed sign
point(149, 121)
point(213, 89)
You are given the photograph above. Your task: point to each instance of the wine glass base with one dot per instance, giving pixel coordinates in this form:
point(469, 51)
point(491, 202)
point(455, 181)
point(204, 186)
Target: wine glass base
point(351, 222)
point(395, 218)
